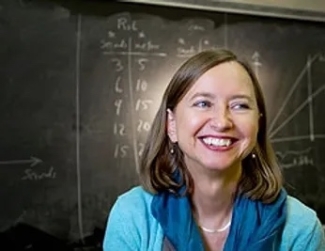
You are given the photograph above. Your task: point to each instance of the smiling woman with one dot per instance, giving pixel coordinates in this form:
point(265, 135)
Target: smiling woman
point(209, 176)
point(215, 124)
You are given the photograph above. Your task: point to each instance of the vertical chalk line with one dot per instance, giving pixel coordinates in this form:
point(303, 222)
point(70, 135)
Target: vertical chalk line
point(77, 98)
point(132, 105)
point(291, 91)
point(310, 104)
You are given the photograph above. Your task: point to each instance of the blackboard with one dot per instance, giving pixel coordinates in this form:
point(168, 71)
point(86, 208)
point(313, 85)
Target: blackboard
point(81, 81)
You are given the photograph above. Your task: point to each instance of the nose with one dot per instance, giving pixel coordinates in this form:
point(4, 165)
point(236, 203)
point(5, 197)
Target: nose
point(221, 120)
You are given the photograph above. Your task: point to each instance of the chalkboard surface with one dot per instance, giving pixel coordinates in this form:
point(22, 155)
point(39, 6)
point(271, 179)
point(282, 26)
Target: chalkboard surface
point(80, 83)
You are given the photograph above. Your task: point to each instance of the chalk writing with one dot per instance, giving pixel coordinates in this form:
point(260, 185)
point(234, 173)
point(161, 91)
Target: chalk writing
point(141, 85)
point(118, 104)
point(293, 159)
point(142, 63)
point(110, 45)
point(119, 129)
point(30, 174)
point(143, 126)
point(195, 27)
point(118, 88)
point(140, 148)
point(143, 104)
point(124, 24)
point(188, 50)
point(121, 151)
point(118, 64)
point(146, 46)
point(129, 51)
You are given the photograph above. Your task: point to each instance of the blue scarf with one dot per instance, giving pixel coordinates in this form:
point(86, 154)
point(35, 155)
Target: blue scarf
point(255, 225)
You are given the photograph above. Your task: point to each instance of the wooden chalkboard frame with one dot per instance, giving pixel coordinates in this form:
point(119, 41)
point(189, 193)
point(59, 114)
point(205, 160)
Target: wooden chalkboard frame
point(240, 8)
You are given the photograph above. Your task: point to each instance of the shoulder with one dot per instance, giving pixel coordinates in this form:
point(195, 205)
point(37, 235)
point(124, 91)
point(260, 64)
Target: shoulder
point(303, 230)
point(135, 203)
point(298, 210)
point(130, 224)
point(136, 195)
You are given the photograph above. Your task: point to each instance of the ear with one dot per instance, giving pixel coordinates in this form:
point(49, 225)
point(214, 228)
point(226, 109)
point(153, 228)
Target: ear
point(171, 126)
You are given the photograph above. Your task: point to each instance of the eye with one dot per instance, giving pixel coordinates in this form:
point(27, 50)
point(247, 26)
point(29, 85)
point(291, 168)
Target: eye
point(240, 106)
point(203, 104)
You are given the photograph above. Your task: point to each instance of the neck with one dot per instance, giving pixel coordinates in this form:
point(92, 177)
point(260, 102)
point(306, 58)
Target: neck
point(213, 195)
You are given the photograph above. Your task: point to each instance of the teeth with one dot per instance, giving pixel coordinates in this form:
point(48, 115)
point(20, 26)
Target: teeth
point(217, 142)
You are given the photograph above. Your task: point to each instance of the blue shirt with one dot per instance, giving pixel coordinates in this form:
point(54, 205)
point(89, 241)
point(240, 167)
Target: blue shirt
point(131, 226)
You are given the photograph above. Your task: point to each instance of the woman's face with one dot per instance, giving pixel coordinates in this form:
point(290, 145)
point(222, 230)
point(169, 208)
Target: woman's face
point(216, 123)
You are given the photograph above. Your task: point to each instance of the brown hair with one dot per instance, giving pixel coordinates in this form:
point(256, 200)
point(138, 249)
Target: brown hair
point(261, 177)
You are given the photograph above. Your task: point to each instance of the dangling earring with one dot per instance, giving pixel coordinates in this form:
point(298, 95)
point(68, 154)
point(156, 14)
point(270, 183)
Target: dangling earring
point(172, 151)
point(253, 155)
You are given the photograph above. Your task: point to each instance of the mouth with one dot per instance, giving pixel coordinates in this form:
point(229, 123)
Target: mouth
point(218, 142)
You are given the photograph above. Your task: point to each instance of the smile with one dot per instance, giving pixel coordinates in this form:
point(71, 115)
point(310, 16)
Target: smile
point(219, 142)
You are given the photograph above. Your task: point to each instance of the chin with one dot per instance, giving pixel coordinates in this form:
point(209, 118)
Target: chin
point(217, 167)
point(220, 166)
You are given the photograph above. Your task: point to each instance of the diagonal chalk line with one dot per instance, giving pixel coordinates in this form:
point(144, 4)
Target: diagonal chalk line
point(291, 91)
point(302, 105)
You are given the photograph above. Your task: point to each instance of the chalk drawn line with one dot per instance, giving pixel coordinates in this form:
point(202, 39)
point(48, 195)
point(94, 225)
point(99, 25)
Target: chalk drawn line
point(291, 91)
point(297, 138)
point(310, 103)
point(300, 107)
point(135, 53)
point(79, 196)
point(285, 154)
point(134, 140)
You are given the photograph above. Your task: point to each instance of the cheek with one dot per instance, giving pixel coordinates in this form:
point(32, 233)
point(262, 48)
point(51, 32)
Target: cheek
point(188, 127)
point(190, 124)
point(250, 131)
point(248, 128)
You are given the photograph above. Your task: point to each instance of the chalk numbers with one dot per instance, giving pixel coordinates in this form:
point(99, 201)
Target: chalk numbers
point(129, 60)
point(121, 150)
point(117, 64)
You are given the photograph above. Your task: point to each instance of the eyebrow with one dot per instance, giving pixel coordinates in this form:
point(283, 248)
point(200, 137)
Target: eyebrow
point(242, 96)
point(210, 95)
point(202, 94)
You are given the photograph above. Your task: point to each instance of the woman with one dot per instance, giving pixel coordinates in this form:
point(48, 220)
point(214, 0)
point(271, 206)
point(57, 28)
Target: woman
point(209, 177)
